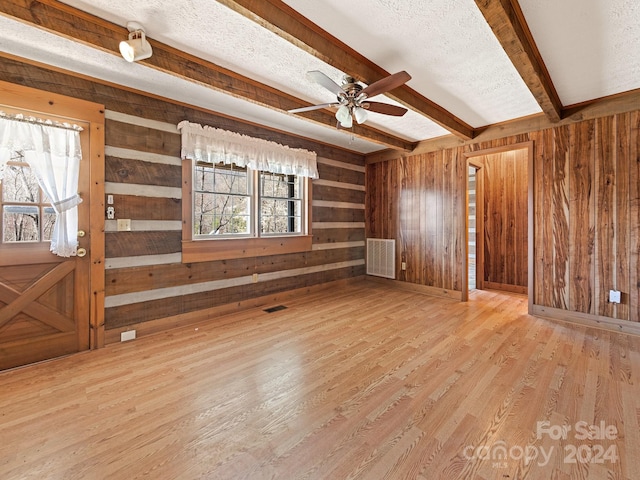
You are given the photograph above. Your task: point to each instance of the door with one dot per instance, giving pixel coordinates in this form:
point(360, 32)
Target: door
point(46, 304)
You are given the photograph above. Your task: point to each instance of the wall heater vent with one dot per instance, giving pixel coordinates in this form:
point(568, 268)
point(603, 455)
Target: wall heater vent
point(381, 257)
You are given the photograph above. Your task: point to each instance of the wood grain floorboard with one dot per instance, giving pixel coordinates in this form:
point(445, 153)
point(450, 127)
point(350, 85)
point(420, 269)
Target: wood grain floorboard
point(361, 382)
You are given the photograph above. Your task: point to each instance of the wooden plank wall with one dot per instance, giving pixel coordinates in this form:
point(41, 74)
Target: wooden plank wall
point(420, 202)
point(145, 279)
point(505, 220)
point(586, 214)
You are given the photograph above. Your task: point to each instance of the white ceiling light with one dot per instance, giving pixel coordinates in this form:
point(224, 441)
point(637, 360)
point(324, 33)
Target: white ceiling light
point(136, 47)
point(343, 115)
point(360, 114)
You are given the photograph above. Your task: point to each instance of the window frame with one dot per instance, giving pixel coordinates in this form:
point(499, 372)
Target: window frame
point(223, 248)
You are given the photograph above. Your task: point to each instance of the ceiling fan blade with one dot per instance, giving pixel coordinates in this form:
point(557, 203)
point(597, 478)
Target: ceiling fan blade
point(321, 79)
point(384, 108)
point(386, 84)
point(312, 107)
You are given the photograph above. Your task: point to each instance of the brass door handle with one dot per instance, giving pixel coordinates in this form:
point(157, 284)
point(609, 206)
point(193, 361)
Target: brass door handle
point(82, 252)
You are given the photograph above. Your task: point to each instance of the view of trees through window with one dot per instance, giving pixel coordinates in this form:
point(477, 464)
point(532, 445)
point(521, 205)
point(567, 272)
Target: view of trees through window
point(222, 200)
point(225, 201)
point(27, 215)
point(280, 203)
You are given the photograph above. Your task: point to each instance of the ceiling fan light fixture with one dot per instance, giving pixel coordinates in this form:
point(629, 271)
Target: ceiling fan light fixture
point(360, 114)
point(136, 47)
point(343, 115)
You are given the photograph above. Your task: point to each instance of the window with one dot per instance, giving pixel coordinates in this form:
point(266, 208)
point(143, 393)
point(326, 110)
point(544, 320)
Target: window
point(221, 201)
point(226, 202)
point(243, 196)
point(281, 204)
point(27, 215)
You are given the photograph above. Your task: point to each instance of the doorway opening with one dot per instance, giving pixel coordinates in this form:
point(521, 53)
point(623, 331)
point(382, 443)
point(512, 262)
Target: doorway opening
point(499, 222)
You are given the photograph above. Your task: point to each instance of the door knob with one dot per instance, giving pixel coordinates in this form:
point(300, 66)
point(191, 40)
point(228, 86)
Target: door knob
point(82, 252)
point(81, 233)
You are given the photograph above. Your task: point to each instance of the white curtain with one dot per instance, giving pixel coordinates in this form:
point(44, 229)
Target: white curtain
point(53, 152)
point(213, 145)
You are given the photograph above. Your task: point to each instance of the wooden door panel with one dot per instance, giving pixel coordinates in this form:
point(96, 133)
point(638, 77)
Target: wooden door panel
point(37, 314)
point(52, 306)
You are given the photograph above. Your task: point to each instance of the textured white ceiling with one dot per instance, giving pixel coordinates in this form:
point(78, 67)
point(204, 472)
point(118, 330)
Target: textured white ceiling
point(446, 45)
point(216, 33)
point(589, 46)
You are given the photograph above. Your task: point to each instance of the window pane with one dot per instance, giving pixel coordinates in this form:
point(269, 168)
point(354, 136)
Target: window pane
point(280, 216)
point(19, 185)
point(221, 201)
point(221, 179)
point(48, 221)
point(278, 185)
point(21, 223)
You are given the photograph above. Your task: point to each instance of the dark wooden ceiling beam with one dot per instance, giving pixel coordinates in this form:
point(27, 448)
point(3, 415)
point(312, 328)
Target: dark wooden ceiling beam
point(281, 19)
point(510, 28)
point(69, 22)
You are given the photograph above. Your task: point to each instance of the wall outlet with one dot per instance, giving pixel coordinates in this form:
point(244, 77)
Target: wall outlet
point(404, 265)
point(128, 335)
point(111, 213)
point(124, 224)
point(254, 278)
point(614, 296)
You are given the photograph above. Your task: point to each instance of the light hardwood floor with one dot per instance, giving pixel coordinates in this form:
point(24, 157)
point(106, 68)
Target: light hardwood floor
point(362, 381)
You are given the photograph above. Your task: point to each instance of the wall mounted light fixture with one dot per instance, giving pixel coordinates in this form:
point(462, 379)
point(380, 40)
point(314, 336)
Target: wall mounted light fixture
point(136, 47)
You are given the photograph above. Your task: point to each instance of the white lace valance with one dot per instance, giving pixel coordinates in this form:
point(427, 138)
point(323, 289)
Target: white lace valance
point(213, 145)
point(53, 152)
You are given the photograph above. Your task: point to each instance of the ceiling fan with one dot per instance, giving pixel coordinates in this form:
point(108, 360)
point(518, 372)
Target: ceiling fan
point(353, 98)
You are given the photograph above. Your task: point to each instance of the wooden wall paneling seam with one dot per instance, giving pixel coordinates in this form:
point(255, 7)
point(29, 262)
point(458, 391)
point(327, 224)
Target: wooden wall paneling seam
point(97, 238)
point(582, 218)
point(548, 210)
point(621, 226)
point(605, 211)
point(561, 217)
point(634, 211)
